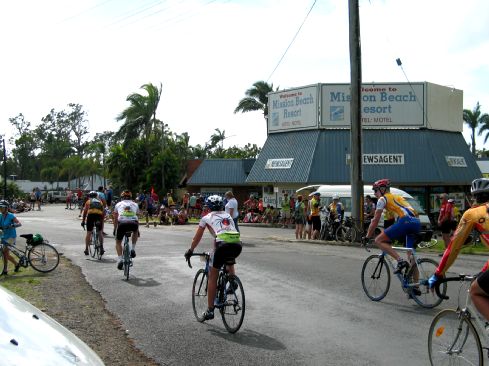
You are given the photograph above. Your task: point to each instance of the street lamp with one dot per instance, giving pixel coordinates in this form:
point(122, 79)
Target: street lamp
point(2, 139)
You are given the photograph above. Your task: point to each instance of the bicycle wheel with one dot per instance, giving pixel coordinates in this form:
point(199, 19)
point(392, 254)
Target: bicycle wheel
point(2, 263)
point(126, 258)
point(427, 298)
point(93, 247)
point(43, 257)
point(428, 244)
point(453, 340)
point(199, 294)
point(233, 310)
point(341, 233)
point(376, 277)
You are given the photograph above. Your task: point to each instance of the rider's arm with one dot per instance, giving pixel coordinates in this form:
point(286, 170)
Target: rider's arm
point(374, 222)
point(85, 210)
point(16, 222)
point(197, 237)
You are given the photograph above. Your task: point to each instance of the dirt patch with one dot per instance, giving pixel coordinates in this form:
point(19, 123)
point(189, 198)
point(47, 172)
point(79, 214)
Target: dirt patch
point(65, 296)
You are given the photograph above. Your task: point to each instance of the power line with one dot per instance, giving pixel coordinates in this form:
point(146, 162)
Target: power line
point(293, 39)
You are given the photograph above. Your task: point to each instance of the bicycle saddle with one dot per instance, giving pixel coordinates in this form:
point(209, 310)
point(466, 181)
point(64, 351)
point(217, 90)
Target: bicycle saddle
point(27, 236)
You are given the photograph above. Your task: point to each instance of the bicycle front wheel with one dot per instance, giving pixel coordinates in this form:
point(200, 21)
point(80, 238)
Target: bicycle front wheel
point(233, 310)
point(199, 295)
point(376, 277)
point(453, 340)
point(43, 257)
point(425, 297)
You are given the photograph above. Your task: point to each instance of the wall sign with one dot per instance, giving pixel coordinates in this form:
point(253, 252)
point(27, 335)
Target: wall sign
point(456, 161)
point(279, 163)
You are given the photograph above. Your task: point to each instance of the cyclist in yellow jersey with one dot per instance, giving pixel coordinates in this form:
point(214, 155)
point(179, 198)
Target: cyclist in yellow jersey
point(93, 212)
point(476, 217)
point(407, 225)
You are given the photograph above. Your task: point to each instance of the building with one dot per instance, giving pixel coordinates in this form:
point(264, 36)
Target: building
point(412, 134)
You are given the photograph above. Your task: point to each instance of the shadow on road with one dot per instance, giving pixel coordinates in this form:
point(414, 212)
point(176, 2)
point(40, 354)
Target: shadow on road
point(249, 338)
point(143, 282)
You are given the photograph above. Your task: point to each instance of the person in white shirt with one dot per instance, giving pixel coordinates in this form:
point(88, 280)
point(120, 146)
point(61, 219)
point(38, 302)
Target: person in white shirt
point(125, 219)
point(232, 208)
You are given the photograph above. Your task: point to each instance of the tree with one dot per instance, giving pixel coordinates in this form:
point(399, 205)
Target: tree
point(256, 99)
point(474, 119)
point(77, 124)
point(483, 122)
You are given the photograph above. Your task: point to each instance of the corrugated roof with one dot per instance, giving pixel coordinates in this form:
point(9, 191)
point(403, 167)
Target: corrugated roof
point(320, 157)
point(299, 146)
point(221, 172)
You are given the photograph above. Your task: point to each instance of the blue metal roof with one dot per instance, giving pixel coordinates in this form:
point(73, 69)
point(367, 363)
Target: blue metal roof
point(219, 172)
point(320, 157)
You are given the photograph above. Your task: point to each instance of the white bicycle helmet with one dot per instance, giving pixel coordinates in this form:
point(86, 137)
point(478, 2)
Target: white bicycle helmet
point(480, 185)
point(336, 197)
point(215, 203)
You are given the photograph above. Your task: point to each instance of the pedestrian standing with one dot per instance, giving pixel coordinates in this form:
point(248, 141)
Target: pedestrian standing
point(299, 217)
point(285, 210)
point(446, 218)
point(232, 208)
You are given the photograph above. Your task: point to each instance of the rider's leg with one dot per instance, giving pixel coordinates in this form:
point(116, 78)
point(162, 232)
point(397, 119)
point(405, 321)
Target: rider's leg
point(87, 240)
point(383, 242)
point(479, 294)
point(211, 289)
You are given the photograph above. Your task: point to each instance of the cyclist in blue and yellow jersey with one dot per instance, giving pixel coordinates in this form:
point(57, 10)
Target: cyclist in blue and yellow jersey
point(407, 226)
point(93, 213)
point(475, 218)
point(226, 244)
point(125, 219)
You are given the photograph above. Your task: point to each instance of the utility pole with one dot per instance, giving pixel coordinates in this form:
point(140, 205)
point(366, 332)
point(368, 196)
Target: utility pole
point(4, 169)
point(355, 113)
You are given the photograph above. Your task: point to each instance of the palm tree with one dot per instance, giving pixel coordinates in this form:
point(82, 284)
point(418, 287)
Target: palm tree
point(256, 99)
point(474, 119)
point(140, 117)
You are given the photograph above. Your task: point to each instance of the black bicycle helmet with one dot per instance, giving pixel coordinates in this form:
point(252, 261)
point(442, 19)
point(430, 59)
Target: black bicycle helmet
point(4, 203)
point(93, 194)
point(480, 185)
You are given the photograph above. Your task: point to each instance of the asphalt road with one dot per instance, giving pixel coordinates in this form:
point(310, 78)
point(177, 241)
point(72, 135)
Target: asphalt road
point(304, 301)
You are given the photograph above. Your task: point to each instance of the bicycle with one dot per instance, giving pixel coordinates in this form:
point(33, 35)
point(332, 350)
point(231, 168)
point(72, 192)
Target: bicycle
point(230, 296)
point(376, 277)
point(347, 231)
point(95, 247)
point(41, 255)
point(456, 336)
point(126, 255)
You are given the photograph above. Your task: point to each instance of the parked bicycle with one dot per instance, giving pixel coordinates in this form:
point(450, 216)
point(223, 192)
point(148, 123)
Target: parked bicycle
point(327, 230)
point(376, 277)
point(38, 253)
point(457, 337)
point(126, 254)
point(230, 296)
point(95, 246)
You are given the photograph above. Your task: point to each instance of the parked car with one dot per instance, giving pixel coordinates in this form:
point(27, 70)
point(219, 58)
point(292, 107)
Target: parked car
point(56, 196)
point(30, 337)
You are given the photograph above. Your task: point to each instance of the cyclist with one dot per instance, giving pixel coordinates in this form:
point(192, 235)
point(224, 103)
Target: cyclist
point(407, 226)
point(226, 244)
point(8, 223)
point(476, 217)
point(93, 213)
point(125, 219)
point(337, 211)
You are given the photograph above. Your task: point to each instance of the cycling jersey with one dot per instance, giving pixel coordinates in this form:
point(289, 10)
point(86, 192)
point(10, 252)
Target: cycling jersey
point(314, 206)
point(6, 221)
point(474, 218)
point(94, 206)
point(336, 210)
point(221, 226)
point(396, 204)
point(127, 211)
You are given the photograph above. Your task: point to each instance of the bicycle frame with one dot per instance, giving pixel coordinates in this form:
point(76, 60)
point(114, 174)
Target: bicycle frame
point(413, 260)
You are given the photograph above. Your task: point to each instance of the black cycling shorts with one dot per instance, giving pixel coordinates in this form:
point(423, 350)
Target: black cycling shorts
point(483, 281)
point(225, 251)
point(316, 223)
point(447, 226)
point(92, 219)
point(124, 227)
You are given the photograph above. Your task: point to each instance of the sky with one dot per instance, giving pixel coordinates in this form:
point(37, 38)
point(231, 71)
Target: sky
point(206, 54)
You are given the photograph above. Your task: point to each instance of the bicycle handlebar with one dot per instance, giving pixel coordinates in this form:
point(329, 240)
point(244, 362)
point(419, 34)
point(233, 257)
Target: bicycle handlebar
point(459, 278)
point(205, 254)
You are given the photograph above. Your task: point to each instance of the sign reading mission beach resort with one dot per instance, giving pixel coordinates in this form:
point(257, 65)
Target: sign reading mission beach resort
point(385, 105)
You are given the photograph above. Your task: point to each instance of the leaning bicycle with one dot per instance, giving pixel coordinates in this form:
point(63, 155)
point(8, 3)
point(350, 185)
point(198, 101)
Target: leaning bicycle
point(458, 336)
point(38, 253)
point(230, 296)
point(376, 277)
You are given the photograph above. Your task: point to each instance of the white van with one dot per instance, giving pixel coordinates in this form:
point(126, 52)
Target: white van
point(344, 192)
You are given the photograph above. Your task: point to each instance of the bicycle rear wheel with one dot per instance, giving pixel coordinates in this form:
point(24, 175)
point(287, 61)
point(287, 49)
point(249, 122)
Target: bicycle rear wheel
point(2, 263)
point(126, 258)
point(199, 294)
point(43, 257)
point(93, 248)
point(376, 277)
point(233, 310)
point(453, 340)
point(427, 298)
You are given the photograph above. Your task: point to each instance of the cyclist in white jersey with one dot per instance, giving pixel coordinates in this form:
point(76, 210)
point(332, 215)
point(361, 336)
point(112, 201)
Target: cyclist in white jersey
point(125, 219)
point(226, 244)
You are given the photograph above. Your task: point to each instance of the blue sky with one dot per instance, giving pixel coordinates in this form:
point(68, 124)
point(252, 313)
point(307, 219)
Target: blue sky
point(207, 53)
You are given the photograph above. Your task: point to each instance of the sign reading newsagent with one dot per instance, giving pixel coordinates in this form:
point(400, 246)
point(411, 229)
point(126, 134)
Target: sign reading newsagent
point(293, 109)
point(382, 105)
